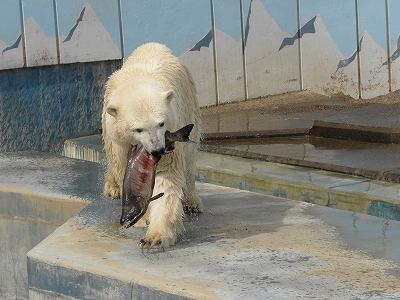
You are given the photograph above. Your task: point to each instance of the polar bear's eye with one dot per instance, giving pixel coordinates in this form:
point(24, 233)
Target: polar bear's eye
point(161, 124)
point(139, 130)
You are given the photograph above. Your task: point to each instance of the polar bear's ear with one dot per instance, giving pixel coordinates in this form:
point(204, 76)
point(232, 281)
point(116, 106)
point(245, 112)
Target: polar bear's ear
point(168, 95)
point(112, 110)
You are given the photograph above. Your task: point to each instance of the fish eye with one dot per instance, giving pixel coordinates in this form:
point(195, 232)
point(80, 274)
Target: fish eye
point(161, 124)
point(139, 130)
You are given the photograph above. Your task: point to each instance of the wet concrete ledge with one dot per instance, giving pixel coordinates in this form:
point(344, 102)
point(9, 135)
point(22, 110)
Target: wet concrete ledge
point(244, 246)
point(356, 132)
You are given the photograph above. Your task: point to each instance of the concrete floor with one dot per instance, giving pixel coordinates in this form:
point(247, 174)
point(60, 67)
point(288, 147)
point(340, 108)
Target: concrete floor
point(244, 246)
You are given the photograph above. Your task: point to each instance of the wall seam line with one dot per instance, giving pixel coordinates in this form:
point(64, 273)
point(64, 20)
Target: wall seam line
point(246, 94)
point(57, 32)
point(23, 34)
point(388, 45)
point(300, 52)
point(214, 52)
point(121, 29)
point(358, 50)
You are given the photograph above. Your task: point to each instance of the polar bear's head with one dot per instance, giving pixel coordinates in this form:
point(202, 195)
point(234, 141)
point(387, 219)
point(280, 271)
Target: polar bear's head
point(140, 113)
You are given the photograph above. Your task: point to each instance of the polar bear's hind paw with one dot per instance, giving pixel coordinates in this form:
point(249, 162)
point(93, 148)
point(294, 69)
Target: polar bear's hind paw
point(194, 206)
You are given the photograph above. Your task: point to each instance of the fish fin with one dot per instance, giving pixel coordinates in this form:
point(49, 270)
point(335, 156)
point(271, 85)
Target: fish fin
point(156, 197)
point(185, 132)
point(181, 135)
point(129, 222)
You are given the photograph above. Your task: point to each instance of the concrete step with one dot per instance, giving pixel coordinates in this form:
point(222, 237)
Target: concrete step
point(244, 246)
point(337, 190)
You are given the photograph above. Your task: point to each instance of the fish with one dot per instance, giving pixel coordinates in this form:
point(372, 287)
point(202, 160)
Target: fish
point(140, 174)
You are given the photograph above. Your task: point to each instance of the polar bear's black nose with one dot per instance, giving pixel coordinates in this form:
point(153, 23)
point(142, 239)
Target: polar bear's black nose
point(158, 152)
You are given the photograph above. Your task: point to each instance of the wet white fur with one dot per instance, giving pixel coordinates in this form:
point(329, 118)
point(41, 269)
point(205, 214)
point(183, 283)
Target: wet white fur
point(152, 88)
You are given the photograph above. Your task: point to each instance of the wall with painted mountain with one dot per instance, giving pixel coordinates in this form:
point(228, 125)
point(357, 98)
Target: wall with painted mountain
point(235, 49)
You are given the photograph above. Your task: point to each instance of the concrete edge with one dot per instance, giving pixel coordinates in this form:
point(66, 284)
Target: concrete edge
point(355, 132)
point(294, 132)
point(9, 188)
point(38, 206)
point(45, 280)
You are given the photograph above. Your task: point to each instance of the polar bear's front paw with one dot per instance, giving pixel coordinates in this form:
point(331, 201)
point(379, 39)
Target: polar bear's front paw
point(112, 190)
point(155, 241)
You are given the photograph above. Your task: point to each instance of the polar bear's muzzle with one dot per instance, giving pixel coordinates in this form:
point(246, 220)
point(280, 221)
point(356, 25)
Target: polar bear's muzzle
point(154, 141)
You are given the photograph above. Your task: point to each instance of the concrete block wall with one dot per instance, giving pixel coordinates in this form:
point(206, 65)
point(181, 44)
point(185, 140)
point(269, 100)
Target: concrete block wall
point(235, 49)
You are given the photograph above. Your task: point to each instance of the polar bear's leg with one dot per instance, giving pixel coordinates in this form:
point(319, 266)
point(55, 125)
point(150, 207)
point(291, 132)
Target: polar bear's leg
point(165, 213)
point(117, 157)
point(191, 202)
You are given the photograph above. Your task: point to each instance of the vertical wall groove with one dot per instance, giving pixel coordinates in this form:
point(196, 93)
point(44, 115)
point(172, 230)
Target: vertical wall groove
point(121, 29)
point(388, 44)
point(23, 36)
point(214, 52)
point(246, 95)
point(57, 32)
point(299, 46)
point(358, 49)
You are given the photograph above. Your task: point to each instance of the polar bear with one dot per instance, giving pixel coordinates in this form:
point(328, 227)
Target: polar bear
point(151, 93)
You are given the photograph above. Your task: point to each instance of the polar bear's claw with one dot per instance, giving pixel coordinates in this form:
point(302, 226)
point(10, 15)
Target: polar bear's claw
point(194, 206)
point(153, 242)
point(189, 210)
